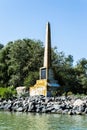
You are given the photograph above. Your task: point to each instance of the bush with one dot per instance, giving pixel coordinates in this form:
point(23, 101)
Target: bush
point(7, 93)
point(31, 79)
point(69, 93)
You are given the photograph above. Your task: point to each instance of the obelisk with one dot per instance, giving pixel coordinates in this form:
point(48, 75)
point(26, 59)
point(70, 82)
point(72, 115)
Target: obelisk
point(44, 71)
point(47, 50)
point(47, 83)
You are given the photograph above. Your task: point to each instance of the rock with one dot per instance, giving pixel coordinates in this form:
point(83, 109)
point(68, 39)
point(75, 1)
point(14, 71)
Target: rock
point(56, 106)
point(65, 111)
point(8, 107)
point(71, 112)
point(21, 90)
point(32, 107)
point(78, 102)
point(49, 109)
point(2, 107)
point(59, 111)
point(20, 109)
point(41, 104)
point(63, 98)
point(4, 102)
point(81, 108)
point(53, 111)
point(39, 108)
point(63, 106)
point(49, 99)
point(43, 110)
point(85, 110)
point(78, 113)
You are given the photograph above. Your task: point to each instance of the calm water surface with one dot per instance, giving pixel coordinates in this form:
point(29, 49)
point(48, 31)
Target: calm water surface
point(24, 121)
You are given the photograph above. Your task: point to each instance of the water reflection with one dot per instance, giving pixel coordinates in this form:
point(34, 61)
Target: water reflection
point(32, 121)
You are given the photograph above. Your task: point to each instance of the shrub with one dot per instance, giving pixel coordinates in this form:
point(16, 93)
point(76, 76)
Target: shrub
point(7, 93)
point(69, 93)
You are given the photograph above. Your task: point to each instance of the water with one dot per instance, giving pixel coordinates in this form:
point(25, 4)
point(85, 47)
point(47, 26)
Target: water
point(31, 121)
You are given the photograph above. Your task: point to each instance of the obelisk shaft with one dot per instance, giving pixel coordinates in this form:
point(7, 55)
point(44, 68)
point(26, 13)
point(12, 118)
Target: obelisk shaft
point(47, 51)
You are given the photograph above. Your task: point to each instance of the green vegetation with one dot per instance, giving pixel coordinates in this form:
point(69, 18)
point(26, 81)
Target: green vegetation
point(7, 93)
point(20, 62)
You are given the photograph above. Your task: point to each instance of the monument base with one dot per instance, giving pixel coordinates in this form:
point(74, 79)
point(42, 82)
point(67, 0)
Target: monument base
point(43, 87)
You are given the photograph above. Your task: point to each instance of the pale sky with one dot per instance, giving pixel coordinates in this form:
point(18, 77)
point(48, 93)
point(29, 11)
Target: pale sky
point(27, 19)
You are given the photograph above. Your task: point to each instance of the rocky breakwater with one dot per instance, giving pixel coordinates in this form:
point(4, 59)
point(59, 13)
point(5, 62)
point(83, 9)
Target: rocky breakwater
point(40, 104)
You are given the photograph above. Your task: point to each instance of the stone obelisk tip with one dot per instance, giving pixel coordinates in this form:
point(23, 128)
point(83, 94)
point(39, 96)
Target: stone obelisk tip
point(48, 23)
point(47, 51)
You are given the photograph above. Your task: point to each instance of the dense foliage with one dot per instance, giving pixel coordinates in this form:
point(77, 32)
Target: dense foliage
point(20, 62)
point(8, 92)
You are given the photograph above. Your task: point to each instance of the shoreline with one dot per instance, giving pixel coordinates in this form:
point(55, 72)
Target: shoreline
point(70, 105)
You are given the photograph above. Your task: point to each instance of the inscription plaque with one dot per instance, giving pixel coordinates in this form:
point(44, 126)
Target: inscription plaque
point(43, 73)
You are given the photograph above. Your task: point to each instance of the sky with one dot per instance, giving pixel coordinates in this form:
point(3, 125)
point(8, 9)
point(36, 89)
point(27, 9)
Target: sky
point(27, 19)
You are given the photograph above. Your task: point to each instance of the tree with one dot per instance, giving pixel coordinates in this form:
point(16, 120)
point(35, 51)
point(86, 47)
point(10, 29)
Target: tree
point(1, 46)
point(64, 71)
point(30, 80)
point(81, 69)
point(25, 55)
point(4, 77)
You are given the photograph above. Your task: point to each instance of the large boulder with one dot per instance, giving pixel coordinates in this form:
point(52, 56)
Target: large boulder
point(78, 102)
point(21, 90)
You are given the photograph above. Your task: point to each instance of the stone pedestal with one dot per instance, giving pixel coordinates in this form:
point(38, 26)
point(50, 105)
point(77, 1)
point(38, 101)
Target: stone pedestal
point(40, 88)
point(43, 87)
